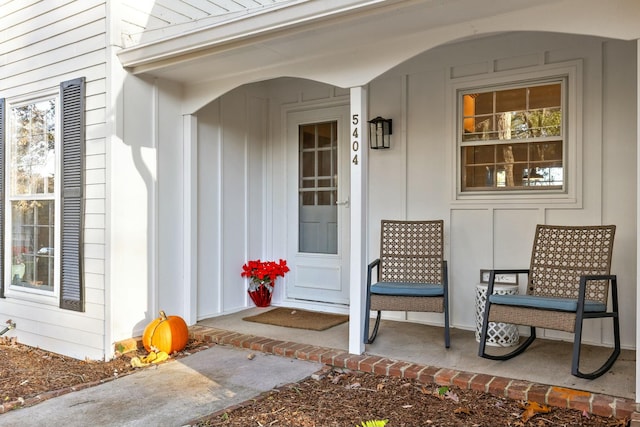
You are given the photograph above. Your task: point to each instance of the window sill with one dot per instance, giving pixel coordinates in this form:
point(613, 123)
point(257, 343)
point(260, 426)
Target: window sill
point(547, 199)
point(27, 294)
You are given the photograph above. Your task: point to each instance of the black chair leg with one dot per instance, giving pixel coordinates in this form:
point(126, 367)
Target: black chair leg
point(522, 347)
point(447, 336)
point(575, 368)
point(372, 337)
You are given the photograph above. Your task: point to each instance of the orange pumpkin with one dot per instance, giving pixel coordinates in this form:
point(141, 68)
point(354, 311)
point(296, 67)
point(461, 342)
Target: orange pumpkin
point(166, 333)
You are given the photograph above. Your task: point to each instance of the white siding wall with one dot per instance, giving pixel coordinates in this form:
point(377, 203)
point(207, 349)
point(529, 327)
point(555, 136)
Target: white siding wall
point(232, 133)
point(43, 44)
point(242, 203)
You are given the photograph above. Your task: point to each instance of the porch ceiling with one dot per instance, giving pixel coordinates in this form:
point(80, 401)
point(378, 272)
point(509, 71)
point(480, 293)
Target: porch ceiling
point(347, 43)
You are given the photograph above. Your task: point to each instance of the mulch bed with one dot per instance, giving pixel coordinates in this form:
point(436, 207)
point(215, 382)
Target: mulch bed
point(347, 398)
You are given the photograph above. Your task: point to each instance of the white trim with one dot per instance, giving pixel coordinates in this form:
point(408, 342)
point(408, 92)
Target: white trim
point(359, 226)
point(154, 283)
point(571, 196)
point(245, 29)
point(19, 292)
point(334, 109)
point(637, 218)
point(190, 217)
point(219, 195)
point(114, 131)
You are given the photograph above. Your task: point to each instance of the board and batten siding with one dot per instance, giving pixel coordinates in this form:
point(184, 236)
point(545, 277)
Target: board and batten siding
point(41, 45)
point(235, 177)
point(418, 95)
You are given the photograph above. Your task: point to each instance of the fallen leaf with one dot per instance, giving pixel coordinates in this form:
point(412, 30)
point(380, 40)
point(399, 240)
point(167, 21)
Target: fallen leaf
point(462, 410)
point(336, 379)
point(451, 396)
point(533, 408)
point(379, 386)
point(407, 406)
point(374, 423)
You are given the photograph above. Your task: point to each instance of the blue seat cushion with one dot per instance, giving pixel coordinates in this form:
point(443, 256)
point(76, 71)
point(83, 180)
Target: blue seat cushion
point(406, 289)
point(547, 303)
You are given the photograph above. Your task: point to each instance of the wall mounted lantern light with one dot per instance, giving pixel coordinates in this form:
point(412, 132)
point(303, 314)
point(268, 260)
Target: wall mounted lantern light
point(380, 133)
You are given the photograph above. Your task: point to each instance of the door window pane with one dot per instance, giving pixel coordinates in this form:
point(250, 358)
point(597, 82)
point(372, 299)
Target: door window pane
point(317, 188)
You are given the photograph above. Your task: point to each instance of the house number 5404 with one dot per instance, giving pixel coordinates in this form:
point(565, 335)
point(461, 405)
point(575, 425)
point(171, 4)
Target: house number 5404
point(355, 145)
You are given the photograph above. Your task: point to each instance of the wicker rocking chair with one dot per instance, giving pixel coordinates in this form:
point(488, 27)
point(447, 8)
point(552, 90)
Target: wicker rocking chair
point(568, 281)
point(412, 274)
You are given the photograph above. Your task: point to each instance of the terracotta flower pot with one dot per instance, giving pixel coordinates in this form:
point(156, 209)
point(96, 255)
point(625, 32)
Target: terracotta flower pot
point(261, 297)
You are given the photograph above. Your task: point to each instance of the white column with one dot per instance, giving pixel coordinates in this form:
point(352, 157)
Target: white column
point(190, 215)
point(637, 218)
point(359, 186)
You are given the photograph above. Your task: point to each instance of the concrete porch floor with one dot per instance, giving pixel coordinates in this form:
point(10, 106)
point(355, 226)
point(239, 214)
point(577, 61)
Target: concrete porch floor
point(545, 362)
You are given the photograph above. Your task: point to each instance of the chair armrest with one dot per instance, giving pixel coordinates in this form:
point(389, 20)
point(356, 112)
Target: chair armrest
point(588, 277)
point(582, 291)
point(374, 264)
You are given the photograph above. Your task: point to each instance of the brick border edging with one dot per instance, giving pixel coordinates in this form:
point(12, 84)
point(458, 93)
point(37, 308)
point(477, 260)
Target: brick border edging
point(594, 403)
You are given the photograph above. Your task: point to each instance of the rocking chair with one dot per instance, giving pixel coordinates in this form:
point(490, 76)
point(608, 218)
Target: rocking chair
point(568, 281)
point(412, 274)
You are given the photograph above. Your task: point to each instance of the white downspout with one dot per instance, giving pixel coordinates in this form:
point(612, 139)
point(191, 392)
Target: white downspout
point(359, 187)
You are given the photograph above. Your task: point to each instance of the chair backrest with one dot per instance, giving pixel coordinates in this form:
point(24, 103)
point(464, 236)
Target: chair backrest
point(411, 251)
point(561, 254)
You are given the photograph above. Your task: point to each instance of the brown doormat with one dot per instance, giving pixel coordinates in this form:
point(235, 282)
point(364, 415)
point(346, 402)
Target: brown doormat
point(296, 318)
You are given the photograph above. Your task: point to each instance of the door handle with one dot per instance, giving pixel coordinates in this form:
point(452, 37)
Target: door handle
point(343, 203)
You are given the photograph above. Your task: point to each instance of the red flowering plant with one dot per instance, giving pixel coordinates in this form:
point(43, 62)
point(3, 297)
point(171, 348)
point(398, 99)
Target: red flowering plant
point(263, 273)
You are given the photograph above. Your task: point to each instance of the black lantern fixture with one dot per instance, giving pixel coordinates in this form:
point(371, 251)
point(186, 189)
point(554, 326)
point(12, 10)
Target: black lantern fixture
point(380, 133)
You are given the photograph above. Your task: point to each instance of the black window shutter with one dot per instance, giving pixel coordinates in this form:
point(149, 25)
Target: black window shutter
point(72, 102)
point(2, 222)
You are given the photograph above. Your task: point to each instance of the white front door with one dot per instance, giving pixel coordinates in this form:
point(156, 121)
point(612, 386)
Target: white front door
point(318, 205)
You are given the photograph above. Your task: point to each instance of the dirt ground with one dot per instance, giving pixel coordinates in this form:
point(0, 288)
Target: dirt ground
point(337, 398)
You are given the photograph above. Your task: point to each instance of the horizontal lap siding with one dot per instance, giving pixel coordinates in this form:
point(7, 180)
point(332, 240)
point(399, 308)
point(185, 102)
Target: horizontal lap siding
point(41, 45)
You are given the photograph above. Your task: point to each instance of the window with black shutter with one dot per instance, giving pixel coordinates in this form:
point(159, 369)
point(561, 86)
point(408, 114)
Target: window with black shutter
point(42, 217)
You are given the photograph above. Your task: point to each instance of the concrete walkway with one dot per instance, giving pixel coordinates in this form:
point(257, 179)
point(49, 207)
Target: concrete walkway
point(169, 394)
